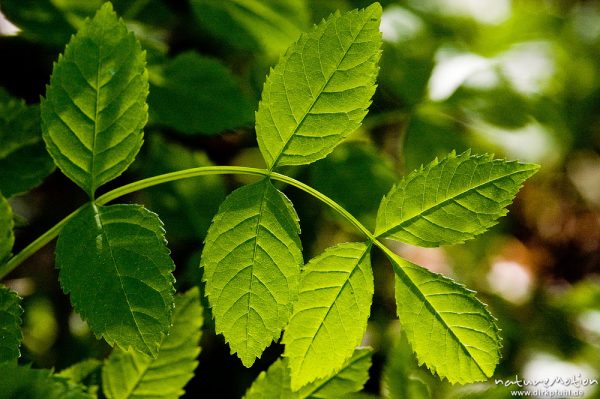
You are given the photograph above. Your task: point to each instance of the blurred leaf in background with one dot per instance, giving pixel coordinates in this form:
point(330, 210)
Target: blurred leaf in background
point(269, 26)
point(197, 95)
point(24, 162)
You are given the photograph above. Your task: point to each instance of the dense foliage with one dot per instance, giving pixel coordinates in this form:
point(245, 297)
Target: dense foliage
point(314, 298)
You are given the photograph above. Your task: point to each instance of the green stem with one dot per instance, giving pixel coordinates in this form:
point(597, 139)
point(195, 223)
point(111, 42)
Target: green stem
point(328, 201)
point(36, 245)
point(180, 175)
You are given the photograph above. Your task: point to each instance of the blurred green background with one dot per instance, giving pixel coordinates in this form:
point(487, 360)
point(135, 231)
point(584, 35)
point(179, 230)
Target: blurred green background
point(518, 78)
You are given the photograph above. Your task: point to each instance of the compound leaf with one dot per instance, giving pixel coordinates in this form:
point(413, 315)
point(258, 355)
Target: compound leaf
point(114, 262)
point(24, 161)
point(452, 200)
point(198, 95)
point(95, 106)
point(449, 329)
point(23, 382)
point(7, 236)
point(275, 383)
point(131, 375)
point(330, 316)
point(251, 260)
point(320, 91)
point(10, 325)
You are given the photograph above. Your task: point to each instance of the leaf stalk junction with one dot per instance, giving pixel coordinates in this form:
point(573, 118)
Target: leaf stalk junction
point(119, 192)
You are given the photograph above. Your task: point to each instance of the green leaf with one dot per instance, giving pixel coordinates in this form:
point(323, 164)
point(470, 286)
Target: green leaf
point(95, 107)
point(252, 260)
point(114, 262)
point(40, 21)
point(350, 378)
point(452, 200)
point(320, 91)
point(81, 371)
point(275, 382)
point(449, 329)
point(87, 372)
point(10, 325)
point(7, 237)
point(198, 95)
point(131, 375)
point(24, 161)
point(185, 206)
point(256, 25)
point(330, 316)
point(401, 379)
point(23, 382)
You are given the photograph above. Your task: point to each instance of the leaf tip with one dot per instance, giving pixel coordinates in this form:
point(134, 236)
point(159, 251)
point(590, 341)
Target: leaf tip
point(375, 9)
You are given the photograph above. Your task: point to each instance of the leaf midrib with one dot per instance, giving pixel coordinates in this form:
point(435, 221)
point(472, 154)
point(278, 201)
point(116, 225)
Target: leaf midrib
point(435, 312)
point(113, 262)
point(140, 375)
point(402, 223)
point(320, 91)
point(322, 323)
point(346, 366)
point(256, 233)
point(182, 310)
point(92, 187)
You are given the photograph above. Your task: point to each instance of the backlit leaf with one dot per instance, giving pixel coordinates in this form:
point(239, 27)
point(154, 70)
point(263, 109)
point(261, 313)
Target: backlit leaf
point(320, 90)
point(87, 372)
point(452, 200)
point(349, 379)
point(24, 161)
point(252, 259)
point(449, 329)
point(115, 264)
point(95, 106)
point(132, 375)
point(401, 379)
point(275, 383)
point(10, 325)
point(330, 316)
point(79, 372)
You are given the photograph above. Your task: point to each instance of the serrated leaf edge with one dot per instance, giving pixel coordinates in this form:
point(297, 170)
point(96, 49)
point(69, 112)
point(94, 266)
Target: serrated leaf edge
point(471, 294)
point(336, 15)
point(533, 168)
point(335, 370)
